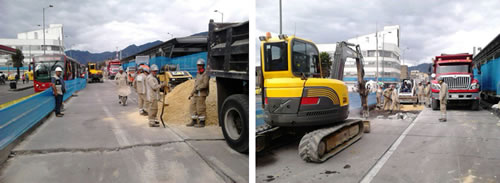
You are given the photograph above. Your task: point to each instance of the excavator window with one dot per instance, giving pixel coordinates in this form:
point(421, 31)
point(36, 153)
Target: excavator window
point(275, 56)
point(305, 59)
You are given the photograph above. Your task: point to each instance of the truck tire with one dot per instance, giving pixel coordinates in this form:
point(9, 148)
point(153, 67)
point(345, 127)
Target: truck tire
point(475, 105)
point(234, 115)
point(435, 104)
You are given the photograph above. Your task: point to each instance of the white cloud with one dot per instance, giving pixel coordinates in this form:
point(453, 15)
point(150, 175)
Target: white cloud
point(103, 25)
point(428, 27)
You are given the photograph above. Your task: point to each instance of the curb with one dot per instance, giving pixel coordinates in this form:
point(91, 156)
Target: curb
point(20, 89)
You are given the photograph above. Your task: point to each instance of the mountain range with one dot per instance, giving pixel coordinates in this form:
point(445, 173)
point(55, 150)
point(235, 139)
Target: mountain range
point(425, 67)
point(86, 56)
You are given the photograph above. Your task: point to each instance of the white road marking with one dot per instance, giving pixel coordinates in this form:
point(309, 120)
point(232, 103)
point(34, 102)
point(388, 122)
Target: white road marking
point(380, 163)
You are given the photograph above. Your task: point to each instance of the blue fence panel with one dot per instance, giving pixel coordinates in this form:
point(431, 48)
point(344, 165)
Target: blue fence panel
point(184, 63)
point(20, 117)
point(490, 77)
point(188, 62)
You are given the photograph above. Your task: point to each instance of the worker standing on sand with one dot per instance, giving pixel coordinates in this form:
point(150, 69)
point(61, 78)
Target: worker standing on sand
point(420, 93)
point(123, 88)
point(140, 87)
point(379, 95)
point(199, 95)
point(387, 98)
point(58, 89)
point(427, 94)
point(153, 95)
point(443, 98)
point(395, 100)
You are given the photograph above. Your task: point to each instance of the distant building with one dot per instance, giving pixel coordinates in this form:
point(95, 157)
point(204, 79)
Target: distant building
point(31, 43)
point(419, 76)
point(388, 55)
point(404, 72)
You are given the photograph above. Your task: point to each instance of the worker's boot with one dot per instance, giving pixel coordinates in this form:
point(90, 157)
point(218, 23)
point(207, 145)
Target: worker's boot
point(201, 124)
point(120, 99)
point(153, 124)
point(193, 122)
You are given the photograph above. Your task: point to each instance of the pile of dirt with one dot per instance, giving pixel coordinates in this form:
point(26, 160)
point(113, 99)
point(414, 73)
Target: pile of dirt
point(178, 110)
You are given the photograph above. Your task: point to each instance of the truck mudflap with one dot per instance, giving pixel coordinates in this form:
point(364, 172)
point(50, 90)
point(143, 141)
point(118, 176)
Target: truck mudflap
point(319, 145)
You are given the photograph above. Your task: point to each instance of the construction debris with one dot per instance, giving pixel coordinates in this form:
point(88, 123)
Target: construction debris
point(178, 110)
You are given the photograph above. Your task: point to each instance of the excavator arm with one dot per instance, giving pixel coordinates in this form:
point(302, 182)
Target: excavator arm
point(343, 51)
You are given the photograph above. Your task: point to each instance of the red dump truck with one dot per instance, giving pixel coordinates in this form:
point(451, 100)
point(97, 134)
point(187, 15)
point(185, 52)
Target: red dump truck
point(456, 69)
point(113, 67)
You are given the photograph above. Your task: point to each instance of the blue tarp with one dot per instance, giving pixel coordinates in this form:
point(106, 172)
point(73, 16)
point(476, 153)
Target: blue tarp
point(20, 117)
point(489, 79)
point(184, 63)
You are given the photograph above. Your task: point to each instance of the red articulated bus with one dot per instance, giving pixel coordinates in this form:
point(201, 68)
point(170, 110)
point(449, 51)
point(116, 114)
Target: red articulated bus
point(45, 65)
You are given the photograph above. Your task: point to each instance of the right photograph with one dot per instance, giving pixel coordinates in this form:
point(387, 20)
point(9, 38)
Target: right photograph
point(380, 91)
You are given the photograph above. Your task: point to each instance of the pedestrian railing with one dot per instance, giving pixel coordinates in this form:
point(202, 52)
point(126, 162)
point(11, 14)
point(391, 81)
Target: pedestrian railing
point(18, 118)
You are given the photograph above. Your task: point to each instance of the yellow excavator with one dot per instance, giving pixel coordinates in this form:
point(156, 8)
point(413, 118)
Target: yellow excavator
point(295, 96)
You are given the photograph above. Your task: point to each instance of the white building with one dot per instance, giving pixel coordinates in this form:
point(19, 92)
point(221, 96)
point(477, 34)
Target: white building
point(388, 55)
point(31, 43)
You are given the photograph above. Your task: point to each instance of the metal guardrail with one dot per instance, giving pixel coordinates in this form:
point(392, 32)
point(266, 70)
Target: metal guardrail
point(18, 118)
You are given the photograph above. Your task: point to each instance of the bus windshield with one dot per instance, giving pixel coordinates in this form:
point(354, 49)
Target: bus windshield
point(45, 69)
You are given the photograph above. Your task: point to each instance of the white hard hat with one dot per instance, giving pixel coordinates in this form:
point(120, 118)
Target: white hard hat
point(154, 67)
point(121, 68)
point(59, 69)
point(145, 69)
point(200, 62)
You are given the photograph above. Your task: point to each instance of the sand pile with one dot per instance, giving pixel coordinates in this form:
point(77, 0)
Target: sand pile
point(178, 110)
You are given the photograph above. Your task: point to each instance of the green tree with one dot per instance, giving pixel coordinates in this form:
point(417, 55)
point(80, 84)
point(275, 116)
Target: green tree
point(326, 63)
point(17, 60)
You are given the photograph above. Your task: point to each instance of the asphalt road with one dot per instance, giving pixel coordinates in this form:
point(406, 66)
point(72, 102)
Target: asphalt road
point(100, 141)
point(464, 149)
point(6, 95)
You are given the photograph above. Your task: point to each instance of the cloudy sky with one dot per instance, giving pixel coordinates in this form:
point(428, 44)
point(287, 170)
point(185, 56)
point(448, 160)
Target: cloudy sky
point(428, 27)
point(103, 25)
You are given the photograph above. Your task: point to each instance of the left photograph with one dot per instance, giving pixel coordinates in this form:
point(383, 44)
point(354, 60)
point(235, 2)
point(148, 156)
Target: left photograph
point(135, 91)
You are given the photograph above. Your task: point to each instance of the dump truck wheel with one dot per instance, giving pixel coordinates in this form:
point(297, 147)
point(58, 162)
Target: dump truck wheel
point(475, 105)
point(234, 114)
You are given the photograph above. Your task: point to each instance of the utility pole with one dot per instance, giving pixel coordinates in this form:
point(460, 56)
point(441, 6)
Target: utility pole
point(281, 20)
point(50, 6)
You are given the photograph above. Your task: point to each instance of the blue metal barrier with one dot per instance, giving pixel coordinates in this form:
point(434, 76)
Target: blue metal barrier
point(20, 117)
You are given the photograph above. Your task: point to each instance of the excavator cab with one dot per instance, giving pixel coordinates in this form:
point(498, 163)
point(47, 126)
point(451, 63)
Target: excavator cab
point(294, 93)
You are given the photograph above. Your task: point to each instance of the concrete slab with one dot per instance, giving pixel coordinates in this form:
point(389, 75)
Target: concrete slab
point(284, 164)
point(100, 141)
point(174, 162)
point(464, 149)
point(223, 158)
point(190, 133)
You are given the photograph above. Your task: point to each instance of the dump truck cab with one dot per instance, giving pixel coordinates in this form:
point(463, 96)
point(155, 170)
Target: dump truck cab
point(294, 92)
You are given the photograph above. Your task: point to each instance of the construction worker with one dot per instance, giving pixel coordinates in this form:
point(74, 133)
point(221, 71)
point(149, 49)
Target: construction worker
point(395, 100)
point(153, 95)
point(123, 89)
point(427, 94)
point(420, 93)
point(140, 87)
point(388, 98)
point(199, 95)
point(379, 95)
point(443, 98)
point(58, 89)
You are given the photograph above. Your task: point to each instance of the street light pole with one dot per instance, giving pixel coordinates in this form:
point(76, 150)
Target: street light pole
point(50, 6)
point(222, 14)
point(281, 20)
